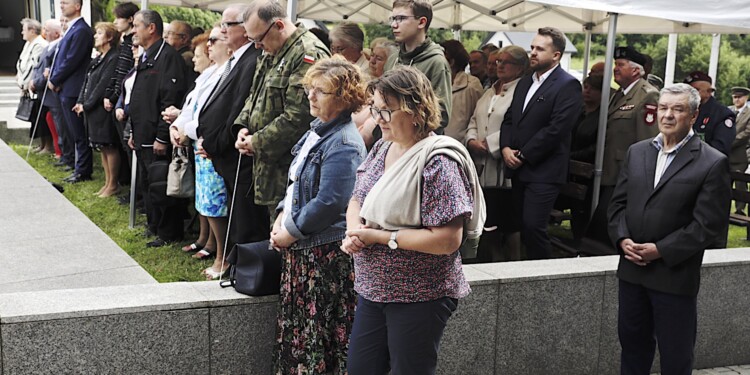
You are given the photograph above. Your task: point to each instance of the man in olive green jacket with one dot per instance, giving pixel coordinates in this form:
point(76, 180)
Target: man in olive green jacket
point(410, 20)
point(277, 112)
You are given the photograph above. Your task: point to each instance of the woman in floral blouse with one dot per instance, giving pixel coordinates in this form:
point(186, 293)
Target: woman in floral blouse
point(413, 204)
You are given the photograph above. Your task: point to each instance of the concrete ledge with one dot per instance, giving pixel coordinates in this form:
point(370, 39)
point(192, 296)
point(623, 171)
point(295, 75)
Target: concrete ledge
point(540, 317)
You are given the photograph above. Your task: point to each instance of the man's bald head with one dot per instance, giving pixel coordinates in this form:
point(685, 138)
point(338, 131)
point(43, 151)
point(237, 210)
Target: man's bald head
point(597, 69)
point(179, 34)
point(52, 29)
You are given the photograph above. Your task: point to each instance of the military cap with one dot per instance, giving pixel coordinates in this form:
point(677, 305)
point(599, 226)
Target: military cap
point(629, 53)
point(696, 76)
point(740, 91)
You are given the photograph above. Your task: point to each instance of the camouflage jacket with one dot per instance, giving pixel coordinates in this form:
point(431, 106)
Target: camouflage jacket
point(277, 112)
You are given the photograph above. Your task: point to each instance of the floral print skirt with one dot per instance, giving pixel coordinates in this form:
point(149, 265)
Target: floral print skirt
point(316, 311)
point(210, 192)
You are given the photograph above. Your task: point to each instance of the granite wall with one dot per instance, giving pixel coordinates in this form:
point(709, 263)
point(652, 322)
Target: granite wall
point(542, 317)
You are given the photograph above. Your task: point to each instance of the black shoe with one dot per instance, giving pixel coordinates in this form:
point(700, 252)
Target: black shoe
point(76, 178)
point(59, 163)
point(158, 242)
point(67, 168)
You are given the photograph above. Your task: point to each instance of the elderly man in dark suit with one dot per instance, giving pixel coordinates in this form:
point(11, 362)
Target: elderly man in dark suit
point(159, 84)
point(535, 137)
point(250, 222)
point(66, 78)
point(671, 202)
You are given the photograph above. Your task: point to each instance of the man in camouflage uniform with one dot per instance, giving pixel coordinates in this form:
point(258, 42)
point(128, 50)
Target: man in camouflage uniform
point(277, 113)
point(632, 118)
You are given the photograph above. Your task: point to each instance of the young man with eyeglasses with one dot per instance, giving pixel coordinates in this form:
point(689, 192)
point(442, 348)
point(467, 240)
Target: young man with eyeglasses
point(249, 221)
point(409, 21)
point(277, 113)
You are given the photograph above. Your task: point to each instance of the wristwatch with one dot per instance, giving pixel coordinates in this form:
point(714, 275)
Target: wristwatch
point(392, 242)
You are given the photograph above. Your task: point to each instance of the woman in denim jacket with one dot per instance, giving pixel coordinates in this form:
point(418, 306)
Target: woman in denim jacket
point(316, 305)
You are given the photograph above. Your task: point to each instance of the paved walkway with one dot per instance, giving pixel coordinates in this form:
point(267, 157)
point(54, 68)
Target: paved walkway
point(731, 370)
point(47, 243)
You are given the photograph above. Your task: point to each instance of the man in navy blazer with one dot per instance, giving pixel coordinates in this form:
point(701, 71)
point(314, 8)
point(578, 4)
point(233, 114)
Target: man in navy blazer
point(671, 202)
point(67, 74)
point(535, 137)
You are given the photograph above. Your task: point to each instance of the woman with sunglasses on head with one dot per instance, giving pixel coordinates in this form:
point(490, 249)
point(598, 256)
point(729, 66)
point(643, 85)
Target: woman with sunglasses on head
point(209, 59)
point(415, 200)
point(317, 300)
point(483, 141)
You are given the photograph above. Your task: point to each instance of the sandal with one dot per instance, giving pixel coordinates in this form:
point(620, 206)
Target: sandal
point(192, 247)
point(214, 275)
point(204, 254)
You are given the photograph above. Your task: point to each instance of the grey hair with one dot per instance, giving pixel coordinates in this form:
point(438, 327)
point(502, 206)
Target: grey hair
point(350, 33)
point(151, 16)
point(641, 70)
point(694, 99)
point(517, 53)
point(32, 25)
point(53, 24)
point(267, 10)
point(239, 9)
point(389, 45)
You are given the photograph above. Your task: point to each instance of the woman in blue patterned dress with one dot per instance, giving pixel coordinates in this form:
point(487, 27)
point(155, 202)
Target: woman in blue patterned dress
point(210, 191)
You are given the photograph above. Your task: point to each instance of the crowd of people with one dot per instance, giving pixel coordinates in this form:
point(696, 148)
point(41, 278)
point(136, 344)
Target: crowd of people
point(341, 163)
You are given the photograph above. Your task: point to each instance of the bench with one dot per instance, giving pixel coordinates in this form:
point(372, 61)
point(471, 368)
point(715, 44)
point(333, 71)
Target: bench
point(743, 196)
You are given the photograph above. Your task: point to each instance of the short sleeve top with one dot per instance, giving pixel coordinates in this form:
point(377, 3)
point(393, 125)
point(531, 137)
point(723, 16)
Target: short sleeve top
point(386, 275)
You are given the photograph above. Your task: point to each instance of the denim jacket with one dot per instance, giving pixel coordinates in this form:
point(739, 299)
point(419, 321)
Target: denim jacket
point(324, 183)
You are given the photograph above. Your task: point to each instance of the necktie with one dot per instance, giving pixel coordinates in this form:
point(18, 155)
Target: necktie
point(223, 77)
point(616, 98)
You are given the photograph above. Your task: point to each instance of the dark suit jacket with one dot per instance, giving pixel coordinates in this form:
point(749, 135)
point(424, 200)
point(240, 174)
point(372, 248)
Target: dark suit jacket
point(687, 212)
point(159, 83)
point(218, 114)
point(37, 76)
point(543, 131)
point(72, 59)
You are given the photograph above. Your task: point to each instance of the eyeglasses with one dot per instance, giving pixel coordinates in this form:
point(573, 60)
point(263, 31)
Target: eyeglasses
point(259, 40)
point(399, 19)
point(181, 35)
point(317, 92)
point(384, 114)
point(505, 62)
point(226, 25)
point(213, 40)
point(337, 49)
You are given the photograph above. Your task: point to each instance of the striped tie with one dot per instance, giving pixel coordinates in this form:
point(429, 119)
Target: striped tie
point(223, 77)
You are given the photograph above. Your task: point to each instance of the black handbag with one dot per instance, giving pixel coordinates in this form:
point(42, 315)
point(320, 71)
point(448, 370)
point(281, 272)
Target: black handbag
point(256, 269)
point(27, 108)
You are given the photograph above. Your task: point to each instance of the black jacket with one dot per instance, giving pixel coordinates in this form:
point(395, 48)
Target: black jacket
point(686, 213)
point(218, 114)
point(715, 125)
point(159, 83)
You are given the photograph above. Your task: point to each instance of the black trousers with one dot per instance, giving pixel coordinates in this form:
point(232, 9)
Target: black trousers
point(76, 130)
point(534, 201)
point(646, 318)
point(402, 337)
point(165, 221)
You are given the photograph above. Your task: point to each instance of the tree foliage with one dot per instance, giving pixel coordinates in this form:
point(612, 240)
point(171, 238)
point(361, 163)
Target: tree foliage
point(102, 10)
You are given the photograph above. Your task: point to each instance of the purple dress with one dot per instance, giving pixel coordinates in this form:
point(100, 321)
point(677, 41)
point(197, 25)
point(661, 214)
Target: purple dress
point(386, 275)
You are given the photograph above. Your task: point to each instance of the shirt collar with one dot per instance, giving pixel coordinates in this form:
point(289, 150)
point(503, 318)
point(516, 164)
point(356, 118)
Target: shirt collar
point(626, 90)
point(240, 51)
point(658, 142)
point(543, 76)
point(71, 23)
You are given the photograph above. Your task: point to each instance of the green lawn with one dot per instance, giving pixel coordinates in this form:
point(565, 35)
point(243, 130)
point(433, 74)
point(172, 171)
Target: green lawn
point(168, 263)
point(165, 264)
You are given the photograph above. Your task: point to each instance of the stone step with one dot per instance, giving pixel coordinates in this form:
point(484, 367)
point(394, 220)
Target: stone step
point(9, 103)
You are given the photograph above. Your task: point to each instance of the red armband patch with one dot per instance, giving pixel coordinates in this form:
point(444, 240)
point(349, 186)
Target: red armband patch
point(650, 116)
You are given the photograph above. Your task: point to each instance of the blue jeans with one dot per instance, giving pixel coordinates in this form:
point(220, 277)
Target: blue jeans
point(402, 337)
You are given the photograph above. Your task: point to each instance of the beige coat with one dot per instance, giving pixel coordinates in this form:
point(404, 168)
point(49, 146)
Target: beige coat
point(738, 155)
point(466, 92)
point(28, 60)
point(485, 125)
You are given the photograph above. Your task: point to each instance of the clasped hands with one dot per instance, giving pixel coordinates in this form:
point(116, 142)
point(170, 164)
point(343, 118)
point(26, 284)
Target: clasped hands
point(244, 142)
point(358, 239)
point(510, 156)
point(639, 253)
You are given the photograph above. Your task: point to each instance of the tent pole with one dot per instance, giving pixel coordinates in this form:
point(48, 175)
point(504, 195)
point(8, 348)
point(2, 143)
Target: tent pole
point(291, 10)
point(587, 51)
point(671, 57)
point(713, 65)
point(144, 4)
point(457, 34)
point(603, 111)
